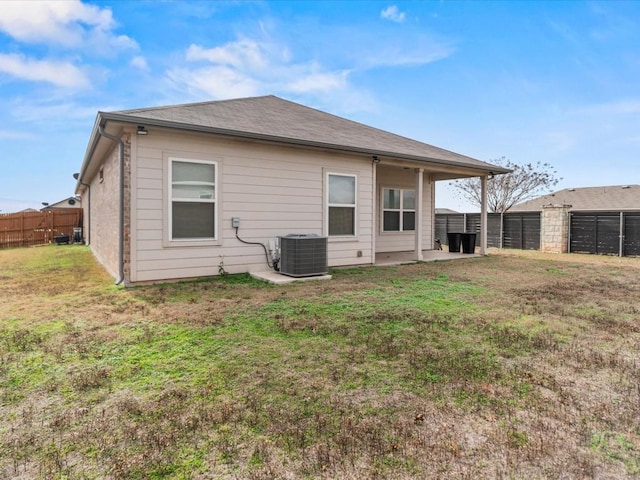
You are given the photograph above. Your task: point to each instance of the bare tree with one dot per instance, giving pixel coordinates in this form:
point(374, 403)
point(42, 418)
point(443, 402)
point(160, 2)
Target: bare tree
point(504, 191)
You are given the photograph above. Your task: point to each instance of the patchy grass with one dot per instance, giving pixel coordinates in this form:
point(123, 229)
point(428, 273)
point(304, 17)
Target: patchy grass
point(517, 365)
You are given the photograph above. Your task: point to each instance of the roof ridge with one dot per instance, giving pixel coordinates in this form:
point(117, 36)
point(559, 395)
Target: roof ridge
point(192, 104)
point(372, 127)
point(295, 104)
point(273, 118)
point(624, 185)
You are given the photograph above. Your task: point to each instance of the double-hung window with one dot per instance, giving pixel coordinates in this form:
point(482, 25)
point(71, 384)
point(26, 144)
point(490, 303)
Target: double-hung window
point(341, 189)
point(192, 202)
point(398, 210)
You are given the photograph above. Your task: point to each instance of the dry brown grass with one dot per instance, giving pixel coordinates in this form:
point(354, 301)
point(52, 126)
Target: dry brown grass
point(518, 365)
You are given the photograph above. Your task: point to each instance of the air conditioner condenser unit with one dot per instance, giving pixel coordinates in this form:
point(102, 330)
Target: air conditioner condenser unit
point(303, 255)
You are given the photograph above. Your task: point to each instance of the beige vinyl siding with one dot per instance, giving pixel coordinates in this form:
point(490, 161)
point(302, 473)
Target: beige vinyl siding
point(275, 190)
point(399, 177)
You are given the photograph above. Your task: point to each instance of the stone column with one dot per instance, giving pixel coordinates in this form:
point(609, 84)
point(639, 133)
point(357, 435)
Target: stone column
point(554, 228)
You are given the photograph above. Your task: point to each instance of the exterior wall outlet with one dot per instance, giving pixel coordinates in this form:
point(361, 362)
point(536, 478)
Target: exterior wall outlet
point(235, 222)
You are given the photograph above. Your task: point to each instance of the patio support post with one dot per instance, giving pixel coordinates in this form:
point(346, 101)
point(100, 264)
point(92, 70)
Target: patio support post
point(483, 215)
point(419, 201)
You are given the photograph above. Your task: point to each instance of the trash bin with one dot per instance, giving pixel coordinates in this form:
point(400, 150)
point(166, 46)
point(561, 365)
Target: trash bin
point(468, 241)
point(454, 241)
point(77, 235)
point(61, 239)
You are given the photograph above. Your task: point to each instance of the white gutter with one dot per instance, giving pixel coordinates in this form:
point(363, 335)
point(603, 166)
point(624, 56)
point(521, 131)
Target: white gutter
point(135, 120)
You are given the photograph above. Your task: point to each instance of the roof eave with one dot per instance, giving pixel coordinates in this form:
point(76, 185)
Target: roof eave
point(103, 117)
point(91, 147)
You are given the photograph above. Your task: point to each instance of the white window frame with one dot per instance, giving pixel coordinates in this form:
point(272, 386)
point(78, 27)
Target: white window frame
point(401, 210)
point(345, 205)
point(213, 200)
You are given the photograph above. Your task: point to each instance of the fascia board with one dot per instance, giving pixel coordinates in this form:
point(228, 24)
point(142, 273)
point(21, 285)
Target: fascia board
point(134, 120)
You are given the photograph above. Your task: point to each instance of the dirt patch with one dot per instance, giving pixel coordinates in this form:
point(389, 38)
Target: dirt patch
point(516, 365)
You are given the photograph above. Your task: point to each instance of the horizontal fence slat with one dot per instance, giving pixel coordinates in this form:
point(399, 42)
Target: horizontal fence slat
point(597, 233)
point(520, 230)
point(631, 234)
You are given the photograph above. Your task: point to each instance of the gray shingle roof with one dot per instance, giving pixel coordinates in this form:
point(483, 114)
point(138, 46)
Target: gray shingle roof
point(445, 211)
point(611, 198)
point(276, 119)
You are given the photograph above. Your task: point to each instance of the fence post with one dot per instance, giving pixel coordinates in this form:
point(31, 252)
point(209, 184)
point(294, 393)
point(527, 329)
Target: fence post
point(50, 223)
point(621, 244)
point(569, 215)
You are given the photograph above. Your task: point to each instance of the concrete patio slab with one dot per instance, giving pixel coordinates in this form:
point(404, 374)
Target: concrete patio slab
point(398, 258)
point(382, 259)
point(280, 279)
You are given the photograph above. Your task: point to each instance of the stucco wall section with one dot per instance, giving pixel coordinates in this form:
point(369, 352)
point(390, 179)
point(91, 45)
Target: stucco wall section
point(554, 228)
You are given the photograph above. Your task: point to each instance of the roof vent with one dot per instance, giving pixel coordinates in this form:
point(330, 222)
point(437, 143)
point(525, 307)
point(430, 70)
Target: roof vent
point(626, 186)
point(571, 189)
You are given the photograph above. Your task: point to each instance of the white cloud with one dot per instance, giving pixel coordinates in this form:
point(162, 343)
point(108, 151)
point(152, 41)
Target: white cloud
point(62, 74)
point(418, 51)
point(393, 13)
point(245, 54)
point(68, 23)
point(139, 62)
point(319, 82)
point(218, 82)
point(249, 67)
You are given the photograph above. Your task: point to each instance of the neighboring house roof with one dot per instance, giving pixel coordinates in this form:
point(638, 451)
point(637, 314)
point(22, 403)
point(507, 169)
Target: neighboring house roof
point(617, 197)
point(69, 202)
point(275, 119)
point(445, 211)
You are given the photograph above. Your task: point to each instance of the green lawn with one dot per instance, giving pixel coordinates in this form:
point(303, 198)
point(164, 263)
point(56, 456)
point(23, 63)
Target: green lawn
point(516, 365)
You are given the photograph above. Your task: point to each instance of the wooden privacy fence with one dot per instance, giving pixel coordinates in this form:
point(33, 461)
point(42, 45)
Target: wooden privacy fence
point(26, 229)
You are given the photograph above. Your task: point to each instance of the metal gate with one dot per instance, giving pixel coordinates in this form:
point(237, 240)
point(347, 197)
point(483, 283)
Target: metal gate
point(605, 233)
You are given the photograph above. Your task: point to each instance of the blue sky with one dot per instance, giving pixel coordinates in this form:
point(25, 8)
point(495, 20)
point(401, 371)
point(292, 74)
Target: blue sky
point(555, 81)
